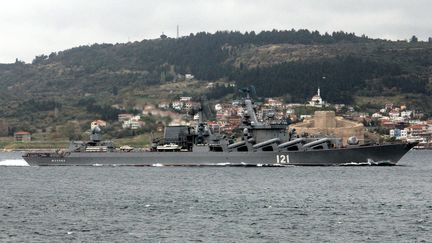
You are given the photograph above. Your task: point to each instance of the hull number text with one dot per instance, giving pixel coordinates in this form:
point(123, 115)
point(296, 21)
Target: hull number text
point(282, 159)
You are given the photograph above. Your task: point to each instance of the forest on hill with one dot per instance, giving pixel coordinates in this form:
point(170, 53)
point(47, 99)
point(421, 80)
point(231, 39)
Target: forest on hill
point(84, 82)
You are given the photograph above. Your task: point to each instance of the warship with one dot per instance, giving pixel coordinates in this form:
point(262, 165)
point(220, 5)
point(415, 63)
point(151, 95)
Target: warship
point(260, 144)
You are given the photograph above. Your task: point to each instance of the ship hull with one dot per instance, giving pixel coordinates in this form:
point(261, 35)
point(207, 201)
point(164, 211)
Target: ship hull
point(377, 154)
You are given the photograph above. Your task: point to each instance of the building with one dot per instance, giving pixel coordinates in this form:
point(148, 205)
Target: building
point(406, 114)
point(22, 136)
point(185, 98)
point(218, 107)
point(124, 117)
point(377, 115)
point(188, 105)
point(133, 124)
point(399, 134)
point(270, 102)
point(164, 105)
point(326, 123)
point(417, 129)
point(189, 76)
point(177, 105)
point(316, 100)
point(389, 106)
point(98, 123)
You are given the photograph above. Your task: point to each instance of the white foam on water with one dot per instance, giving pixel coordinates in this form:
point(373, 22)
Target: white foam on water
point(223, 164)
point(357, 163)
point(13, 162)
point(280, 165)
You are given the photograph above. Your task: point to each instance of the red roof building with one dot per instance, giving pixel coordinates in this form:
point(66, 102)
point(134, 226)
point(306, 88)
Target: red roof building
point(22, 136)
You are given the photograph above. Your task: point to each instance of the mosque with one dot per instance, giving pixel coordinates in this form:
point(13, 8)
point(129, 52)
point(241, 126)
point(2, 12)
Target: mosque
point(316, 100)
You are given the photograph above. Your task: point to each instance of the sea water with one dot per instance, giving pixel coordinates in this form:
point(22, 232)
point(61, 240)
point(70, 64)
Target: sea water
point(165, 204)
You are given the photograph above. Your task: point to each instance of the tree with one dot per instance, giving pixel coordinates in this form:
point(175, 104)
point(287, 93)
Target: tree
point(414, 39)
point(39, 59)
point(115, 90)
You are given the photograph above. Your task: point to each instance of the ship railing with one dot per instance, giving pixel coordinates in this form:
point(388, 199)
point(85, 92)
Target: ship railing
point(96, 149)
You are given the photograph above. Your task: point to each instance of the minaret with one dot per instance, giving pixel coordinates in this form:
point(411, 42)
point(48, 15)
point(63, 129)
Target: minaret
point(319, 92)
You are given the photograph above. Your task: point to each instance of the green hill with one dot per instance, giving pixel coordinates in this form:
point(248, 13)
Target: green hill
point(83, 83)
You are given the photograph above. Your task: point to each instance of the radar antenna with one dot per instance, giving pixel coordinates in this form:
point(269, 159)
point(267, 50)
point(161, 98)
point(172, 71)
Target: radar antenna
point(249, 91)
point(250, 111)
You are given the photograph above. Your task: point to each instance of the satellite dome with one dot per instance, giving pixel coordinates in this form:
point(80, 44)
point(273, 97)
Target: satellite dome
point(353, 140)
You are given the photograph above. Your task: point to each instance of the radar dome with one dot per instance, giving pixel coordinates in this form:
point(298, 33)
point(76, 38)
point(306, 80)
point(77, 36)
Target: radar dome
point(96, 129)
point(353, 140)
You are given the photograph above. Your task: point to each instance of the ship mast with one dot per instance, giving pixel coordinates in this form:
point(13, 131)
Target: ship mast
point(249, 108)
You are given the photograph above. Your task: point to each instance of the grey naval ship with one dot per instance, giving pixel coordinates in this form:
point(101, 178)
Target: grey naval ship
point(261, 144)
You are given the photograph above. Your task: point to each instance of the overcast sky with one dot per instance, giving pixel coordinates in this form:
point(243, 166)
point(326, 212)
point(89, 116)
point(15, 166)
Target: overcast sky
point(33, 27)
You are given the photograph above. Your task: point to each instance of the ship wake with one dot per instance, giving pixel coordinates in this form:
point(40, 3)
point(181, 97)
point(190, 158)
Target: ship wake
point(369, 163)
point(13, 162)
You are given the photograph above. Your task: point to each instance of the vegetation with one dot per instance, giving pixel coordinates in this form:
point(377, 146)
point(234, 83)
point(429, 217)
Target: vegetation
point(102, 80)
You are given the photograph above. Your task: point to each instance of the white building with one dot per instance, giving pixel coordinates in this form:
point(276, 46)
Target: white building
point(290, 111)
point(177, 105)
point(218, 107)
point(185, 98)
point(270, 102)
point(376, 115)
point(124, 117)
point(399, 134)
point(163, 105)
point(189, 76)
point(316, 100)
point(404, 134)
point(393, 114)
point(134, 123)
point(406, 114)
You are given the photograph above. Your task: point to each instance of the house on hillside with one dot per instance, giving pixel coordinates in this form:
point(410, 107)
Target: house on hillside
point(99, 123)
point(124, 117)
point(22, 136)
point(271, 102)
point(417, 129)
point(134, 123)
point(164, 105)
point(189, 76)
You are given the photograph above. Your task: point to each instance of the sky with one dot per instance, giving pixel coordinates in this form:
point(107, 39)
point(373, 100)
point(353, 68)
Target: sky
point(34, 27)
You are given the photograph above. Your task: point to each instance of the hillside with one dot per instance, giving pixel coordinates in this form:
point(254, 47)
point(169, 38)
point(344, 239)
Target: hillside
point(84, 82)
